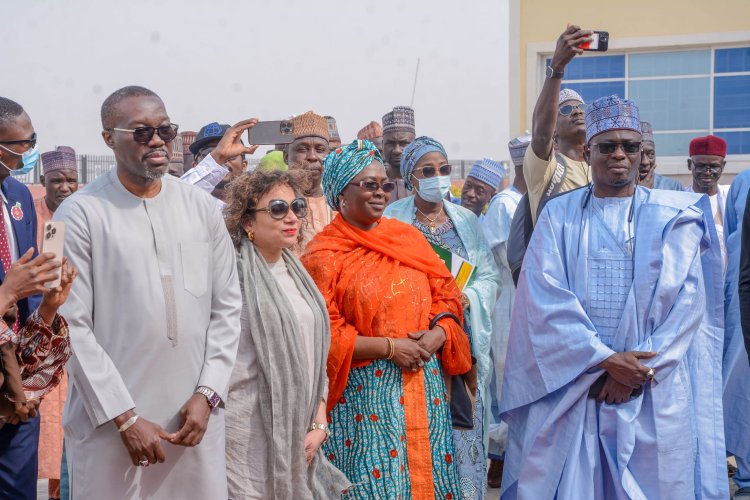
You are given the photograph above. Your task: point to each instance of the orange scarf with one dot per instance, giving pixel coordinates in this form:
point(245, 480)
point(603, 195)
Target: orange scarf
point(343, 260)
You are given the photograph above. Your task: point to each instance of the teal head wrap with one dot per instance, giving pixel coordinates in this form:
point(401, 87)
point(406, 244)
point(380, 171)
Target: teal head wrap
point(343, 165)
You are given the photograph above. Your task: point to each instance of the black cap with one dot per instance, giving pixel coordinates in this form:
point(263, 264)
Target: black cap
point(207, 133)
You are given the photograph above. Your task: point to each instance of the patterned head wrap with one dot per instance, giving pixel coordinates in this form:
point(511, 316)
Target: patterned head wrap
point(611, 113)
point(177, 155)
point(401, 119)
point(309, 124)
point(343, 165)
point(569, 95)
point(413, 152)
point(62, 158)
point(333, 128)
point(373, 130)
point(647, 132)
point(489, 171)
point(518, 147)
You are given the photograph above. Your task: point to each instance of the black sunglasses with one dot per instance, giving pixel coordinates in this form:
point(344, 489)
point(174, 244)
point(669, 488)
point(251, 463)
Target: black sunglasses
point(30, 143)
point(607, 148)
point(373, 186)
point(278, 209)
point(568, 108)
point(143, 135)
point(430, 171)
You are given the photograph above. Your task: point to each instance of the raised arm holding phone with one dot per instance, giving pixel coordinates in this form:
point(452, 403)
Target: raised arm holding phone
point(554, 163)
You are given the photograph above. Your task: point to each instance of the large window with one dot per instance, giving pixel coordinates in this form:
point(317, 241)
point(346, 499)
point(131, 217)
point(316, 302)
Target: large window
point(683, 94)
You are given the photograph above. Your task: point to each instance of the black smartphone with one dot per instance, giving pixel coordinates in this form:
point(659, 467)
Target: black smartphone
point(277, 132)
point(599, 42)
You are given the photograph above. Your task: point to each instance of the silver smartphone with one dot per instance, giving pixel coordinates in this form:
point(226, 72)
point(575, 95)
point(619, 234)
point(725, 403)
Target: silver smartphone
point(53, 239)
point(276, 132)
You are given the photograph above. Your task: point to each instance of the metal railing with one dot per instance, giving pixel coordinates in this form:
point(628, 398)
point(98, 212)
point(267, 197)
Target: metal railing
point(89, 168)
point(92, 166)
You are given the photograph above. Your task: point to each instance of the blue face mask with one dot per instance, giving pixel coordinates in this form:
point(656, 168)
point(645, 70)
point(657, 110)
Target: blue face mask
point(28, 158)
point(434, 189)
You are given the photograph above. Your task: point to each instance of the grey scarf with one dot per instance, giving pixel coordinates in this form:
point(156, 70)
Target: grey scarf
point(282, 376)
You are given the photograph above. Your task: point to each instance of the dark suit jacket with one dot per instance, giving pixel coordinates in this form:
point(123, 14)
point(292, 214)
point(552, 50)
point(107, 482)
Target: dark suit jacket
point(25, 232)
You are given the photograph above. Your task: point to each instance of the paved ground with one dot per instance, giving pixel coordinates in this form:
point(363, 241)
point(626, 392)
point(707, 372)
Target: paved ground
point(492, 493)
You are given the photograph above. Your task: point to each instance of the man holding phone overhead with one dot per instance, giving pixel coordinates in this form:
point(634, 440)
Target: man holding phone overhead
point(218, 157)
point(554, 163)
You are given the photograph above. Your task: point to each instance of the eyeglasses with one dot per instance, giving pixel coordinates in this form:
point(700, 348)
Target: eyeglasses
point(568, 108)
point(373, 186)
point(278, 209)
point(430, 171)
point(30, 143)
point(143, 135)
point(608, 148)
point(702, 169)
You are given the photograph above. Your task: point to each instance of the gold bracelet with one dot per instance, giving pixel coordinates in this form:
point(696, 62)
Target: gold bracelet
point(391, 348)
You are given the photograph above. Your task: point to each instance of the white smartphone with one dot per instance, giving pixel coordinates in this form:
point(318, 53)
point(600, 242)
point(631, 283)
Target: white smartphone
point(53, 239)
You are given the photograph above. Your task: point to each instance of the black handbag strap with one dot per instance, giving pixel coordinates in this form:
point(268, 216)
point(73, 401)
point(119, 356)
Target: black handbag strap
point(442, 315)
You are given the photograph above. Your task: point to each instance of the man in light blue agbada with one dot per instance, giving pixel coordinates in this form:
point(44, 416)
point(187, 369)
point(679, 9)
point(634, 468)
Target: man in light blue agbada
point(613, 375)
point(736, 367)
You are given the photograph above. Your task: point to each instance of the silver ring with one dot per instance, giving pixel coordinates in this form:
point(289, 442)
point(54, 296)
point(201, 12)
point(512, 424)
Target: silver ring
point(143, 463)
point(650, 373)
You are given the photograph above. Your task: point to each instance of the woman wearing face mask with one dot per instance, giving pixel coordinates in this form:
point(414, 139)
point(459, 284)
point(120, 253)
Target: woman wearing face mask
point(395, 326)
point(275, 409)
point(445, 225)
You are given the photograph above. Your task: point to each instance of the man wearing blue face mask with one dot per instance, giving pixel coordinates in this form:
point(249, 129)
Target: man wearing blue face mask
point(18, 155)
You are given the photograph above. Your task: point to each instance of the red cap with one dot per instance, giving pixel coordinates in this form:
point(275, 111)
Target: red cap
point(709, 145)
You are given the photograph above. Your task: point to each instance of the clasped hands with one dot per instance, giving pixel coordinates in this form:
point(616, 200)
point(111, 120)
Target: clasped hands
point(413, 352)
point(624, 374)
point(143, 439)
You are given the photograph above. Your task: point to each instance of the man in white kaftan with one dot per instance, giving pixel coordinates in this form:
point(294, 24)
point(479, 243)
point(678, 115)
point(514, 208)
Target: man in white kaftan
point(154, 318)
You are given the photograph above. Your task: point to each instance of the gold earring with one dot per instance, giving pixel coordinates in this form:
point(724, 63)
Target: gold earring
point(250, 234)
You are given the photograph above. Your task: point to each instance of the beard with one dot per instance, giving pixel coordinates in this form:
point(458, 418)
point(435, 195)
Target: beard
point(153, 175)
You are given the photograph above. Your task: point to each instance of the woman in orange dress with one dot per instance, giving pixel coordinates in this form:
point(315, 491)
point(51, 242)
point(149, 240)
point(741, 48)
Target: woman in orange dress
point(384, 285)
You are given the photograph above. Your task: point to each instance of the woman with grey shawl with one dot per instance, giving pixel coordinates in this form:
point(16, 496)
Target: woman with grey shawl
point(275, 410)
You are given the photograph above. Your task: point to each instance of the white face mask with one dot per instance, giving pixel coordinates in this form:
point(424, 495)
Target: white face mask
point(434, 189)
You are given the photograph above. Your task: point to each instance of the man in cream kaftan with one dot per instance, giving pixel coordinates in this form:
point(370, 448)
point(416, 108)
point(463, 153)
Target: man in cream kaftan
point(153, 316)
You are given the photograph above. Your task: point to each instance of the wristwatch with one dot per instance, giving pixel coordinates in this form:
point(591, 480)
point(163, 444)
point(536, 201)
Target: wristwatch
point(551, 73)
point(321, 427)
point(211, 395)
